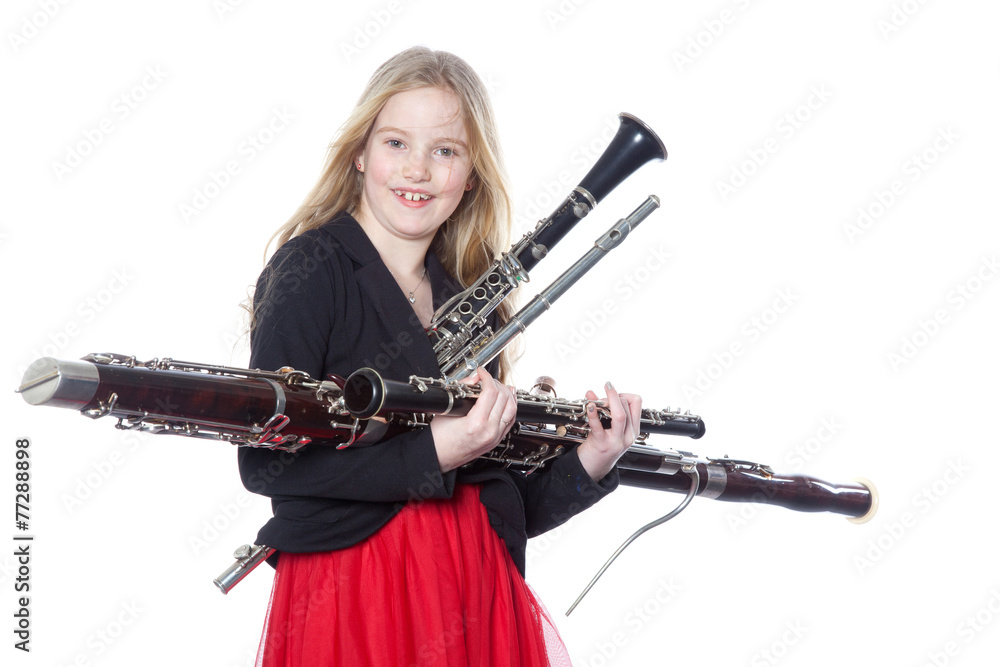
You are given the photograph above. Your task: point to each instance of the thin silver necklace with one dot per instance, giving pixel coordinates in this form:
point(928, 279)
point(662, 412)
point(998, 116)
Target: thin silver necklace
point(410, 296)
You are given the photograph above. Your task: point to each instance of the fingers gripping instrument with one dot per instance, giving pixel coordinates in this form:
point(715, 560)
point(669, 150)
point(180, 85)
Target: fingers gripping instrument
point(368, 395)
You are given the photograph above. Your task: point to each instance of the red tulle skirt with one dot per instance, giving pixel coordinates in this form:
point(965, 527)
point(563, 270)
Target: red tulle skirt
point(435, 586)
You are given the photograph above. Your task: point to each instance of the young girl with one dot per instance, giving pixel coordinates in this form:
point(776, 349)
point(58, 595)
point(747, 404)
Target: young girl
point(410, 551)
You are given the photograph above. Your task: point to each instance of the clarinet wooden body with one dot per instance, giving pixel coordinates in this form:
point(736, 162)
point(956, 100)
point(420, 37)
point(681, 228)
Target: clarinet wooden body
point(368, 395)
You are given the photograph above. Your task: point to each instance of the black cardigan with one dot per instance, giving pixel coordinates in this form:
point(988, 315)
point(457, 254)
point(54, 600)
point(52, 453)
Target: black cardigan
point(328, 305)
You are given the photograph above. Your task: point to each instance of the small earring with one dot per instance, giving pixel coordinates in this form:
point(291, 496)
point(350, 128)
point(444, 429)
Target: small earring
point(359, 166)
point(468, 186)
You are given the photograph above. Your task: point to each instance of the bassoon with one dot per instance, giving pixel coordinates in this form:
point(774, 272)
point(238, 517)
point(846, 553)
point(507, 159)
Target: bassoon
point(288, 409)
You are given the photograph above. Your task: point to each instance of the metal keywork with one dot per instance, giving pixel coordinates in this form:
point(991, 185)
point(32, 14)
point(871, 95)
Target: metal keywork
point(460, 327)
point(740, 464)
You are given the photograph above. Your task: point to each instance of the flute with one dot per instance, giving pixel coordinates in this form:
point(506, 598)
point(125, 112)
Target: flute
point(459, 327)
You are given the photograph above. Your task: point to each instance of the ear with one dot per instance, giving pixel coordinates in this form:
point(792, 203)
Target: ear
point(359, 163)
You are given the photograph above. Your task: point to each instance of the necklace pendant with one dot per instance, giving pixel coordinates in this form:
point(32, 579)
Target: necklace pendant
point(411, 296)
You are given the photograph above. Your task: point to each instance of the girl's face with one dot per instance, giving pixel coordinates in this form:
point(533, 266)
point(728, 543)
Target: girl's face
point(416, 165)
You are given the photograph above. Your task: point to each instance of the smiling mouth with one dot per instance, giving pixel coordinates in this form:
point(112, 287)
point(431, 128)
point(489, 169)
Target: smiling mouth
point(412, 196)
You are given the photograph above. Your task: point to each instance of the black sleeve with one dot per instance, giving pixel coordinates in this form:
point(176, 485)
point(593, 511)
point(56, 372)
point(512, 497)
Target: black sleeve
point(294, 304)
point(397, 470)
point(553, 496)
point(298, 301)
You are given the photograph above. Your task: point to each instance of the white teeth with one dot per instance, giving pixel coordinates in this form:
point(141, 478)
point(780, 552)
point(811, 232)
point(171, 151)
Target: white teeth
point(411, 196)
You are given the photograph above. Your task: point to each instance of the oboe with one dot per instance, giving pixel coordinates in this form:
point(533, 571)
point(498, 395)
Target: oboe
point(368, 395)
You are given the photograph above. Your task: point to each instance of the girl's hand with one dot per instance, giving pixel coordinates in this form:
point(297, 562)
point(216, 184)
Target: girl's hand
point(603, 447)
point(459, 440)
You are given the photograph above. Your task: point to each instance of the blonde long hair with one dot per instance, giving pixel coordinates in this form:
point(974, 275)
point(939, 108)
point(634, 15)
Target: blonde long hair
point(479, 229)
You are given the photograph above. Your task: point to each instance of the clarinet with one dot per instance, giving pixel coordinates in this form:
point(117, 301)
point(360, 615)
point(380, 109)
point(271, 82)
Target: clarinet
point(459, 327)
point(368, 395)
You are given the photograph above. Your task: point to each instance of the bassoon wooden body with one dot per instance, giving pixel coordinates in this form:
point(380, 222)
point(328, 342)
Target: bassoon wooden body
point(288, 409)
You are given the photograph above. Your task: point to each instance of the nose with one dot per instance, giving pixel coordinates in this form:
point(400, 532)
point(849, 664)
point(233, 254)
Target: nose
point(416, 167)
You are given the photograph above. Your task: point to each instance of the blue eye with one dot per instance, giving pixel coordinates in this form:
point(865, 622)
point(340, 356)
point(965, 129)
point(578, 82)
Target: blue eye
point(395, 143)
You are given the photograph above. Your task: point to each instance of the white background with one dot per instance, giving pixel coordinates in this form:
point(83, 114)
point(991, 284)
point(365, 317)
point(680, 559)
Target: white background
point(840, 99)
